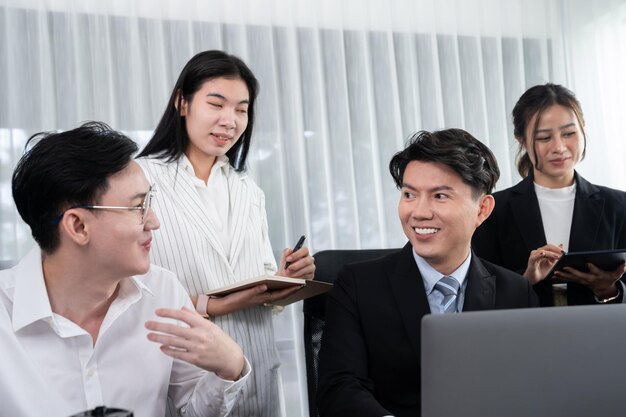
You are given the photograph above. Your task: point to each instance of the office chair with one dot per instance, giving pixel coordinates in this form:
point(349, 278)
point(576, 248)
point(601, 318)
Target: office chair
point(327, 265)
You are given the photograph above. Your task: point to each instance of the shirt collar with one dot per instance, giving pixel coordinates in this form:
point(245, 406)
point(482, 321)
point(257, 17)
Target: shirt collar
point(131, 290)
point(430, 275)
point(30, 296)
point(139, 284)
point(220, 163)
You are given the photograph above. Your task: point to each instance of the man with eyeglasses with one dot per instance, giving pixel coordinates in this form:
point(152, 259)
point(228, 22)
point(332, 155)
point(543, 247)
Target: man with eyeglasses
point(141, 208)
point(85, 321)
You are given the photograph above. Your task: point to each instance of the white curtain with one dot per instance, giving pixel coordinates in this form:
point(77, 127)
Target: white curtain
point(595, 33)
point(343, 83)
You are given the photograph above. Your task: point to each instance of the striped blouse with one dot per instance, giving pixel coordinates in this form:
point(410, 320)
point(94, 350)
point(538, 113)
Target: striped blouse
point(190, 244)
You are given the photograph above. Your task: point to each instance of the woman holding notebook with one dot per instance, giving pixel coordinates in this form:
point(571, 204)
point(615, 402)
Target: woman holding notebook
point(553, 209)
point(213, 221)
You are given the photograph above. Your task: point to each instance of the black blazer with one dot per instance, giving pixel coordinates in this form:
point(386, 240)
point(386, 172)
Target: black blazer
point(515, 228)
point(370, 354)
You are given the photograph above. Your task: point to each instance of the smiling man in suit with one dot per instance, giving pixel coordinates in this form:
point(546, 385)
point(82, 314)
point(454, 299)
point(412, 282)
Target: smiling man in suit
point(370, 355)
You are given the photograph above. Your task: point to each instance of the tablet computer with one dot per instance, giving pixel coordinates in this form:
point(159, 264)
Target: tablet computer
point(606, 260)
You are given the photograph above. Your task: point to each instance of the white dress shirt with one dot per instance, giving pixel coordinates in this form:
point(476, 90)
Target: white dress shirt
point(51, 366)
point(215, 197)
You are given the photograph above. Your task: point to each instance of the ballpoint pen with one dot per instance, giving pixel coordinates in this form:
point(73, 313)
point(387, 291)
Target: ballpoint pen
point(296, 248)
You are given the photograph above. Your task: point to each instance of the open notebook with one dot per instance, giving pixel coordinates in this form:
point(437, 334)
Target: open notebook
point(309, 288)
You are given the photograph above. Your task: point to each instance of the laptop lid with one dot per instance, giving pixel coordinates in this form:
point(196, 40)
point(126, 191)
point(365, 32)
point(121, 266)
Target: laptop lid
point(552, 362)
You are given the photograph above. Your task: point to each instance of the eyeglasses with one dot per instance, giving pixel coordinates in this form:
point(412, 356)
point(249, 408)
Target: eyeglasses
point(142, 208)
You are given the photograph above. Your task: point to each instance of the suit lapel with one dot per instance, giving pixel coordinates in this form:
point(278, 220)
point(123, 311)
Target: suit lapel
point(240, 202)
point(587, 218)
point(526, 214)
point(480, 292)
point(179, 184)
point(410, 295)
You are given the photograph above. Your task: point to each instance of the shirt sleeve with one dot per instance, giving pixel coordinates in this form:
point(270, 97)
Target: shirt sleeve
point(195, 392)
point(203, 394)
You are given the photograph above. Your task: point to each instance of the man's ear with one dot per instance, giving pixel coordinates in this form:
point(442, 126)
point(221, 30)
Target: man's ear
point(74, 227)
point(486, 204)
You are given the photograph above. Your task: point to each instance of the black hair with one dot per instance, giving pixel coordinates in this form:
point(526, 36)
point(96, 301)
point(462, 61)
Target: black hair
point(534, 101)
point(455, 148)
point(65, 169)
point(170, 139)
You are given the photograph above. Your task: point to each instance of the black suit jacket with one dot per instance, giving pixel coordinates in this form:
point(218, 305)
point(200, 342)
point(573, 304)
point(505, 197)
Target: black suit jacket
point(515, 228)
point(370, 354)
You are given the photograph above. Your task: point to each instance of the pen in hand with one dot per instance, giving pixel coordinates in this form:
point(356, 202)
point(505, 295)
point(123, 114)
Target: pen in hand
point(296, 248)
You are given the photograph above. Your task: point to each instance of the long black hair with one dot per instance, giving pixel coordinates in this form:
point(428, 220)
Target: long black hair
point(534, 101)
point(170, 139)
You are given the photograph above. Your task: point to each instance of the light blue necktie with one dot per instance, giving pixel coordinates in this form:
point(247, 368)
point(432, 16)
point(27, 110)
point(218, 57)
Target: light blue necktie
point(449, 287)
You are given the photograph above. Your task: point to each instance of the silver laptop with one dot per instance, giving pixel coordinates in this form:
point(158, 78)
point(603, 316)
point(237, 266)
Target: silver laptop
point(552, 362)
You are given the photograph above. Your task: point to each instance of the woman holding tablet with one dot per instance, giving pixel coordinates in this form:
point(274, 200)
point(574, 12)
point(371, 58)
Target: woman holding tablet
point(213, 221)
point(553, 209)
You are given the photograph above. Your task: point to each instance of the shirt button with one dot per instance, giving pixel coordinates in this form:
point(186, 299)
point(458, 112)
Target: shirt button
point(90, 372)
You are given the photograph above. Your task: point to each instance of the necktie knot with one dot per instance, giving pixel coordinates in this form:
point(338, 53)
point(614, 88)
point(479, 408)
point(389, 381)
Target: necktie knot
point(449, 287)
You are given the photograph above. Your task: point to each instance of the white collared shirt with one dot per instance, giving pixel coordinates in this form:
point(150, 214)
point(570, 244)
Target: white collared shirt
point(51, 366)
point(215, 197)
point(431, 276)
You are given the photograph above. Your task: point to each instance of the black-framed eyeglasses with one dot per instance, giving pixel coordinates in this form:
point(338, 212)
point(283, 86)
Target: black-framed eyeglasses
point(143, 208)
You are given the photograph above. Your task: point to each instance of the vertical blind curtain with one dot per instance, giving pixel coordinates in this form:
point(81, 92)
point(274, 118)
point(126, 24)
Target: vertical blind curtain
point(596, 54)
point(343, 83)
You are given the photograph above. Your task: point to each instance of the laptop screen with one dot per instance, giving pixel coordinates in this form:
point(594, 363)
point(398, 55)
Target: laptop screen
point(553, 362)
